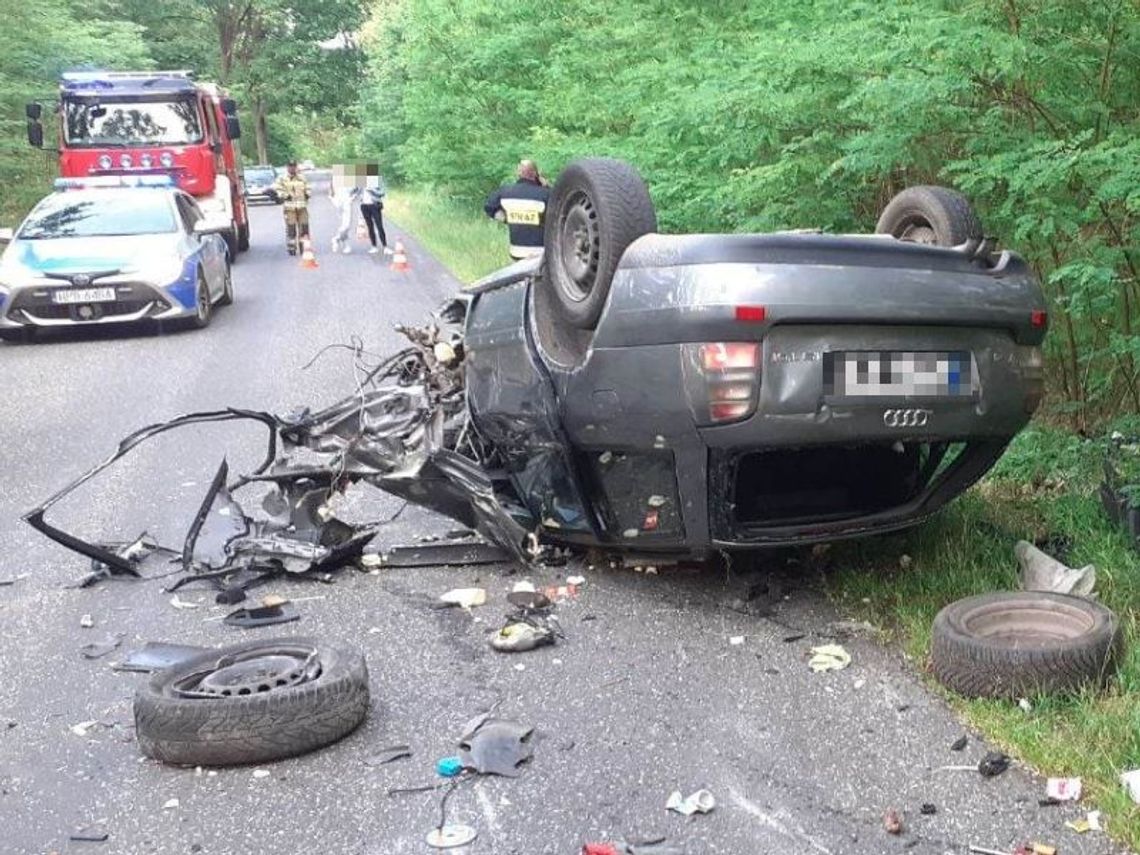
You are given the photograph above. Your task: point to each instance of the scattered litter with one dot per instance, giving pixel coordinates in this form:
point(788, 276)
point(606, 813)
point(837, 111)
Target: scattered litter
point(960, 743)
point(1080, 826)
point(736, 640)
point(392, 752)
point(1063, 789)
point(12, 580)
point(600, 849)
point(171, 804)
point(860, 683)
point(523, 586)
point(450, 836)
point(261, 773)
point(1024, 704)
point(529, 601)
point(268, 615)
point(84, 726)
point(86, 622)
point(465, 598)
point(795, 636)
point(371, 559)
point(829, 657)
point(522, 635)
point(928, 809)
point(575, 580)
point(561, 592)
point(1131, 782)
point(905, 562)
point(520, 667)
point(702, 801)
point(89, 834)
point(1041, 572)
point(96, 649)
point(156, 655)
point(230, 595)
point(182, 604)
point(496, 747)
point(1035, 849)
point(892, 822)
point(993, 764)
point(448, 767)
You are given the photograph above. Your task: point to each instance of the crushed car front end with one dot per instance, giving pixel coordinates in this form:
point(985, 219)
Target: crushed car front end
point(755, 390)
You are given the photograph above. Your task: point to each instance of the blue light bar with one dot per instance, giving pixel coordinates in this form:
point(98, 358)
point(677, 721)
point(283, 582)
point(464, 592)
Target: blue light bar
point(104, 181)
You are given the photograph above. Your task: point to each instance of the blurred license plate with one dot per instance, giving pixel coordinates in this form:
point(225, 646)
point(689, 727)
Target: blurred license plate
point(893, 374)
point(84, 295)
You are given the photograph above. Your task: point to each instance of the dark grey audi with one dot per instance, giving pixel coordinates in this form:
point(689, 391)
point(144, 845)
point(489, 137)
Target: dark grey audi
point(683, 393)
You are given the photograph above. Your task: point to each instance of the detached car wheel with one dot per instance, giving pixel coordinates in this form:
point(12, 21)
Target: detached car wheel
point(599, 207)
point(1015, 645)
point(252, 703)
point(930, 215)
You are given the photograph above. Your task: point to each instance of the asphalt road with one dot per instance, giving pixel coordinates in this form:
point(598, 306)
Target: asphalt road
point(645, 695)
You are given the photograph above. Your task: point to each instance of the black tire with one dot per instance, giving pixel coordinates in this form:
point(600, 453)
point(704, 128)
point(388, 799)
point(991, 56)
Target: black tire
point(599, 206)
point(257, 727)
point(1019, 644)
point(930, 215)
point(232, 243)
point(203, 305)
point(243, 237)
point(227, 298)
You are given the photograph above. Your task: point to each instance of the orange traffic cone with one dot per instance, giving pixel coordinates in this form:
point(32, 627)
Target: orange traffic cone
point(400, 258)
point(308, 258)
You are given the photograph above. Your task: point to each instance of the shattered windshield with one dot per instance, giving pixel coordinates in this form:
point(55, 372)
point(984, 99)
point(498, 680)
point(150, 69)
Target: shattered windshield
point(126, 123)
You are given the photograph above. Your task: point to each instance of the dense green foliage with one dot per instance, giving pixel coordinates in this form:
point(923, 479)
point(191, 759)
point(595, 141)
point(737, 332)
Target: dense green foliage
point(752, 116)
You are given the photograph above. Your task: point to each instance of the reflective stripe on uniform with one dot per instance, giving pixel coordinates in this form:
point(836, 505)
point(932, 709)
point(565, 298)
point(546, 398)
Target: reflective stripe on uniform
point(523, 212)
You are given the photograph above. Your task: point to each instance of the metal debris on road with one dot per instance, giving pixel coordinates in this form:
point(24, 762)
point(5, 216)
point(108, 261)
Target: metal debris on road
point(451, 836)
point(96, 649)
point(266, 615)
point(83, 727)
point(156, 655)
point(829, 657)
point(171, 804)
point(12, 580)
point(497, 747)
point(179, 603)
point(1063, 789)
point(387, 755)
point(702, 801)
point(89, 834)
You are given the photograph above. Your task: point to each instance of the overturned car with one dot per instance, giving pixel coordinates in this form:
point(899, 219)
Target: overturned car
point(662, 394)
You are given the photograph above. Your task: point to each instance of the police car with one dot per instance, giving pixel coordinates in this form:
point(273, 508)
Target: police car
point(113, 250)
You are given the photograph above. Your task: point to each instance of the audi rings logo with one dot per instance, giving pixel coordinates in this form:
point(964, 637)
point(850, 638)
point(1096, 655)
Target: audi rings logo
point(906, 418)
point(81, 281)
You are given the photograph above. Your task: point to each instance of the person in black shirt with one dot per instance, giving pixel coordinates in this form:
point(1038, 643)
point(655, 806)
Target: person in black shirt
point(522, 206)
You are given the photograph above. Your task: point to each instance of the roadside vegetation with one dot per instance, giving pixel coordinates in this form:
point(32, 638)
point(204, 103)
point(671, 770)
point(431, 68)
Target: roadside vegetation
point(470, 244)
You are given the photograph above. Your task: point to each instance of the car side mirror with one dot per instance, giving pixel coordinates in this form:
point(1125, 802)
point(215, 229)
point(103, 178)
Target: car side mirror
point(229, 106)
point(35, 134)
point(211, 226)
point(33, 111)
point(233, 127)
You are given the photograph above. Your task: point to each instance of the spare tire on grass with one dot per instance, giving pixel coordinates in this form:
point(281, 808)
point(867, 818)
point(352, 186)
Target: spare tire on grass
point(931, 215)
point(599, 206)
point(253, 702)
point(1019, 644)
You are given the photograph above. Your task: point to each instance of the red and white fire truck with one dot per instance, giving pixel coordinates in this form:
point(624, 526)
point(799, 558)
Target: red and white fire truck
point(153, 122)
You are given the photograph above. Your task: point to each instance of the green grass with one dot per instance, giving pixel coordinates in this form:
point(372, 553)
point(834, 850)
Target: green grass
point(1045, 485)
point(465, 240)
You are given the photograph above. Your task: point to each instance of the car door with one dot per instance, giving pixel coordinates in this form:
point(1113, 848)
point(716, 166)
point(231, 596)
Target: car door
point(209, 248)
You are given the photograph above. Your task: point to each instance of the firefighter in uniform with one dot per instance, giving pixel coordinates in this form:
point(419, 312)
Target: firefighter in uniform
point(523, 206)
point(293, 190)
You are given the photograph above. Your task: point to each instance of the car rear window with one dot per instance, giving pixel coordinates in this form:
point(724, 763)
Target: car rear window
point(260, 175)
point(132, 212)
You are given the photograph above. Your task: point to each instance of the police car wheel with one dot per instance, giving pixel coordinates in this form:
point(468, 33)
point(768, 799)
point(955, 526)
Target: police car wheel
point(227, 297)
point(599, 206)
point(203, 308)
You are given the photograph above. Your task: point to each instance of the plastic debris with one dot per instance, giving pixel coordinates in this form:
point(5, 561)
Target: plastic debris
point(82, 728)
point(371, 559)
point(600, 849)
point(892, 822)
point(96, 649)
point(273, 612)
point(736, 640)
point(829, 657)
point(575, 580)
point(519, 636)
point(156, 655)
point(89, 834)
point(496, 747)
point(523, 586)
point(387, 755)
point(1131, 782)
point(1063, 789)
point(448, 767)
point(960, 743)
point(702, 801)
point(86, 622)
point(1041, 572)
point(1024, 704)
point(171, 804)
point(261, 773)
point(450, 836)
point(179, 603)
point(993, 764)
point(465, 598)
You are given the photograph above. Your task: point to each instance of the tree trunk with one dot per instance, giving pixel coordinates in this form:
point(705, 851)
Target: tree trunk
point(261, 130)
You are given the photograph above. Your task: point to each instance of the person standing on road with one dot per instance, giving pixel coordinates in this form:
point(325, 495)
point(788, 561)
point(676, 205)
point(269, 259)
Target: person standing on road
point(522, 206)
point(293, 190)
point(345, 197)
point(371, 204)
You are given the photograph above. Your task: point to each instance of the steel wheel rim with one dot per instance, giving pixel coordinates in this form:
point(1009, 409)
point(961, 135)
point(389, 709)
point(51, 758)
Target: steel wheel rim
point(579, 244)
point(253, 673)
point(203, 301)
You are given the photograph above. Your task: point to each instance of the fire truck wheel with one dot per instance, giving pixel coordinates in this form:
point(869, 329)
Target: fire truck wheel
point(243, 237)
point(233, 244)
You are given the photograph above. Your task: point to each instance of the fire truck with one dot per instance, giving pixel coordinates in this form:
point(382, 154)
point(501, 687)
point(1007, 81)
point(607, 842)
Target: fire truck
point(153, 122)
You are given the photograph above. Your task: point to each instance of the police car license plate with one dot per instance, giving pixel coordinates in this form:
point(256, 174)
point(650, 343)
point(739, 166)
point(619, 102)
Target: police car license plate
point(83, 295)
point(523, 218)
point(893, 374)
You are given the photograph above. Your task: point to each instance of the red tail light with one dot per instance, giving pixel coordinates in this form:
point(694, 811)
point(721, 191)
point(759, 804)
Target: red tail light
point(723, 387)
point(750, 314)
point(1038, 318)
